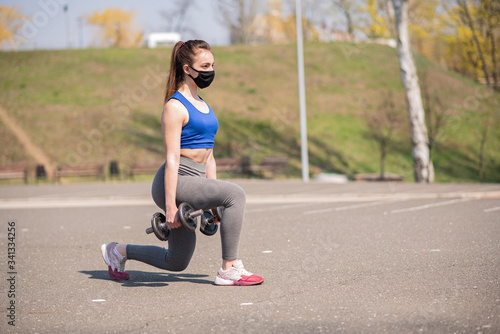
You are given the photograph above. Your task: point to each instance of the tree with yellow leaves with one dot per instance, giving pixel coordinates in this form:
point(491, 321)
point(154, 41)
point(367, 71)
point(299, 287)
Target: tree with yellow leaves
point(480, 21)
point(116, 28)
point(471, 38)
point(277, 27)
point(10, 23)
point(426, 23)
point(380, 24)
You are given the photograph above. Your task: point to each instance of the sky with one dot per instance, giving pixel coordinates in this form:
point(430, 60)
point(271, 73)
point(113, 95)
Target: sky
point(47, 28)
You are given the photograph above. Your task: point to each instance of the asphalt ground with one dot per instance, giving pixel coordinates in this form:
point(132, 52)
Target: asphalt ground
point(337, 258)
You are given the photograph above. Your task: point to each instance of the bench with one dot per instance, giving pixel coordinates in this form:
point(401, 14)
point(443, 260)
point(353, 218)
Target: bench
point(148, 167)
point(377, 177)
point(271, 164)
point(14, 172)
point(231, 165)
point(96, 170)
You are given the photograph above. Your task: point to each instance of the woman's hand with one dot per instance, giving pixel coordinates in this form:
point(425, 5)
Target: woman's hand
point(172, 218)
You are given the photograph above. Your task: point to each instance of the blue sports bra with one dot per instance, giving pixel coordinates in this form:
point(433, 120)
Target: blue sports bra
point(200, 130)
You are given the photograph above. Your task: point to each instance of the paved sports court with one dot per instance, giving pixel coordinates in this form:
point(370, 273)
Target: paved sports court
point(337, 258)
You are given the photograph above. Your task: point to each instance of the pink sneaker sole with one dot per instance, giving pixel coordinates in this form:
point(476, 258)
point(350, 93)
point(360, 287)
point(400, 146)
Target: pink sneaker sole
point(244, 281)
point(117, 275)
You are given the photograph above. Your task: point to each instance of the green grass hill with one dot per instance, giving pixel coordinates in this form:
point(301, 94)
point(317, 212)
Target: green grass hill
point(98, 105)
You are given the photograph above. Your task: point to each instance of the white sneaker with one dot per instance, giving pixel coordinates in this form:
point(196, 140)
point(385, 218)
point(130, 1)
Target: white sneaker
point(237, 275)
point(116, 266)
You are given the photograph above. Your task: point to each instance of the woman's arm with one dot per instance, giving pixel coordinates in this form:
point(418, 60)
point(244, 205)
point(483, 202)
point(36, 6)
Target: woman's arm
point(211, 166)
point(174, 116)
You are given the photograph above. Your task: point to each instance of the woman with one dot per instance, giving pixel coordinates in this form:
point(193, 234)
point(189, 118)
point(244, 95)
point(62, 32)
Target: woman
point(189, 175)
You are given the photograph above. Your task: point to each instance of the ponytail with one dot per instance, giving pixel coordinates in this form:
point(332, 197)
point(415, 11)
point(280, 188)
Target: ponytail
point(183, 53)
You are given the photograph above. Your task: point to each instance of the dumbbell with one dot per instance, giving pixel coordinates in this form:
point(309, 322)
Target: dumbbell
point(208, 225)
point(187, 217)
point(159, 226)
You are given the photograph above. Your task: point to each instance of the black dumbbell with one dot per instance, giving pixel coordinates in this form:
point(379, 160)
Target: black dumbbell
point(208, 224)
point(187, 217)
point(159, 227)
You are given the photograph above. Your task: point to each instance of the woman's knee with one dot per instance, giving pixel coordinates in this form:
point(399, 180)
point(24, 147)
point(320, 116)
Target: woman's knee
point(237, 193)
point(179, 260)
point(179, 266)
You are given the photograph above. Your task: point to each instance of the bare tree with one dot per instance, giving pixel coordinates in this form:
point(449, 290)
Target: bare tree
point(436, 116)
point(176, 19)
point(348, 8)
point(490, 117)
point(416, 115)
point(239, 16)
point(482, 143)
point(381, 126)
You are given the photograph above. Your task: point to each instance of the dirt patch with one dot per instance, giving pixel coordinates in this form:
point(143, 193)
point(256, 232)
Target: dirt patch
point(31, 149)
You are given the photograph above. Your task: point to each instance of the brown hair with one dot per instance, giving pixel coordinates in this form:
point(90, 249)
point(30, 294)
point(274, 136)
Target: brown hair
point(183, 53)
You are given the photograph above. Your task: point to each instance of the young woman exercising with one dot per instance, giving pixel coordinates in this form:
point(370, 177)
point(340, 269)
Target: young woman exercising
point(188, 175)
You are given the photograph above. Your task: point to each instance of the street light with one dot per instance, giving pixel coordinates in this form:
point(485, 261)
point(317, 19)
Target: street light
point(68, 33)
point(302, 92)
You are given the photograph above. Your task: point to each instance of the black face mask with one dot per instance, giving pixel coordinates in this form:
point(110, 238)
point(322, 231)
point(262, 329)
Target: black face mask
point(204, 78)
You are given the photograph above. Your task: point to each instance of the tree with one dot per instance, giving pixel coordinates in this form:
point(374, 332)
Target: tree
point(426, 24)
point(116, 28)
point(473, 39)
point(416, 115)
point(274, 27)
point(10, 23)
point(467, 20)
point(278, 25)
point(381, 126)
point(380, 25)
point(489, 120)
point(239, 16)
point(348, 8)
point(436, 116)
point(175, 19)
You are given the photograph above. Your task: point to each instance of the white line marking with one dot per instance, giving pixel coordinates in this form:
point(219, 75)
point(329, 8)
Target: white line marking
point(282, 207)
point(73, 203)
point(350, 207)
point(343, 198)
point(312, 212)
point(492, 209)
point(433, 205)
point(288, 201)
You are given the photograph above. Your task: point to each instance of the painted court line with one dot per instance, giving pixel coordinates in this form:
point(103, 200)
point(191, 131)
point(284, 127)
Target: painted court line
point(492, 209)
point(281, 207)
point(433, 205)
point(73, 203)
point(350, 207)
point(281, 200)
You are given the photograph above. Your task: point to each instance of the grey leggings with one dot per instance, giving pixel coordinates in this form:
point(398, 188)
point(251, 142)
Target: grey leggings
point(194, 188)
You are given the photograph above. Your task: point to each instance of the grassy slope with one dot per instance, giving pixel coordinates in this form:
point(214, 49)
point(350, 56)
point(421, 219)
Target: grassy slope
point(99, 105)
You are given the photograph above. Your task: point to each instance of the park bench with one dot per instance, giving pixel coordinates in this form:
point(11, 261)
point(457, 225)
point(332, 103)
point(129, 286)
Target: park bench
point(272, 165)
point(14, 172)
point(95, 169)
point(376, 177)
point(147, 167)
point(230, 165)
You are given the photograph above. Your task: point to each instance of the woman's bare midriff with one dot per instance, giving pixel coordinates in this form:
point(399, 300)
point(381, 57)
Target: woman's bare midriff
point(200, 155)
